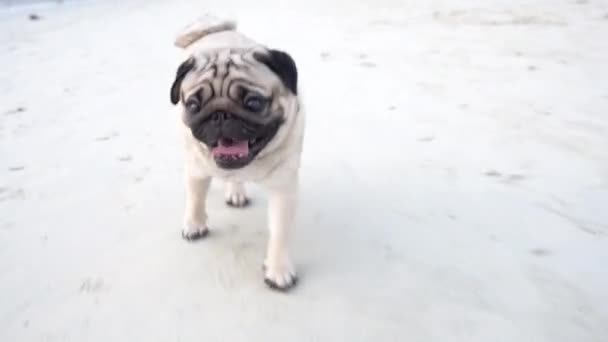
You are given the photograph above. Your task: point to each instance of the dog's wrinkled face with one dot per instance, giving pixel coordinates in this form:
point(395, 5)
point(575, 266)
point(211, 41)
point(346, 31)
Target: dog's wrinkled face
point(234, 100)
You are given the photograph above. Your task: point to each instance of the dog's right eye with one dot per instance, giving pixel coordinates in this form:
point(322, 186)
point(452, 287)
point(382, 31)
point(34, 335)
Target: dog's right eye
point(192, 106)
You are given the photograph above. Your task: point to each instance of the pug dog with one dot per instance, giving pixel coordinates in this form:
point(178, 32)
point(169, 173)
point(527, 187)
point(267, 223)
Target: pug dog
point(242, 120)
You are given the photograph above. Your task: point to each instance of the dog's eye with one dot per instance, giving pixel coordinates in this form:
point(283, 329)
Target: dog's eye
point(192, 106)
point(255, 103)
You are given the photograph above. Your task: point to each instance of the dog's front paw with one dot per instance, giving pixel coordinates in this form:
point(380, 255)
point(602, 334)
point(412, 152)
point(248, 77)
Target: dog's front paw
point(236, 195)
point(192, 231)
point(280, 275)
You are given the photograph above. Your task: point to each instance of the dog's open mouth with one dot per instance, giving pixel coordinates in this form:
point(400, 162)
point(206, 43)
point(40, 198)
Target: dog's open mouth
point(234, 143)
point(230, 153)
point(229, 149)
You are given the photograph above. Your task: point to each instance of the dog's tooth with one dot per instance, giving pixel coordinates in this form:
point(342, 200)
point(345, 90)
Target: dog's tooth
point(241, 155)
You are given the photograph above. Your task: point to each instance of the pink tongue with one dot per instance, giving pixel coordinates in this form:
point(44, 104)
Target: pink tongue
point(237, 149)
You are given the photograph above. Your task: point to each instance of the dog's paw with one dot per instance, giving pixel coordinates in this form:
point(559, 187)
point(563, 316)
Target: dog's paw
point(192, 232)
point(236, 195)
point(280, 276)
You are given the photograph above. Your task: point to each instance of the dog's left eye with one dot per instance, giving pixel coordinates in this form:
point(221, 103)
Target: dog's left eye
point(255, 103)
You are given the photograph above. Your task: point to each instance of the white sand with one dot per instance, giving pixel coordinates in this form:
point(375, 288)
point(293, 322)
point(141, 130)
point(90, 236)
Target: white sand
point(455, 177)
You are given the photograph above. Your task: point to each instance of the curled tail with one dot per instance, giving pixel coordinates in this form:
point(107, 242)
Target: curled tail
point(201, 27)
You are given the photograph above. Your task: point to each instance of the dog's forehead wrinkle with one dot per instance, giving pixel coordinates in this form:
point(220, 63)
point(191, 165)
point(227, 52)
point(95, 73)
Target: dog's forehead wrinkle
point(249, 79)
point(251, 87)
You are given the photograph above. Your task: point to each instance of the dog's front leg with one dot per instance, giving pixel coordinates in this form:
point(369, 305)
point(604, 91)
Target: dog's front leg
point(279, 271)
point(195, 215)
point(236, 196)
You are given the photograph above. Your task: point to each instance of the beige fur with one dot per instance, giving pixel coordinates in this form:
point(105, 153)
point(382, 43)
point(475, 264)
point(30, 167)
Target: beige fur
point(275, 168)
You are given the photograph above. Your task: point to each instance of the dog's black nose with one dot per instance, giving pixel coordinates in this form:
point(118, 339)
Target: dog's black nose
point(220, 116)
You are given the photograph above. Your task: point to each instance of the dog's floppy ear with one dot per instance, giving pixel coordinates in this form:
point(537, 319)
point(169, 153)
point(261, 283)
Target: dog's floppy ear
point(282, 65)
point(182, 71)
